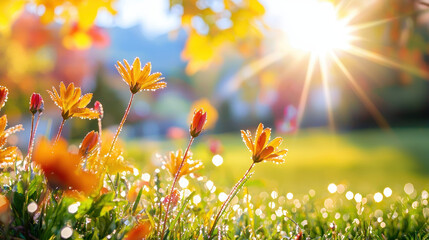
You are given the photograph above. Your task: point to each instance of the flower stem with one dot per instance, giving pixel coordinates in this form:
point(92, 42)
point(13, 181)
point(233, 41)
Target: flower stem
point(127, 111)
point(228, 198)
point(60, 130)
point(30, 142)
point(33, 138)
point(176, 177)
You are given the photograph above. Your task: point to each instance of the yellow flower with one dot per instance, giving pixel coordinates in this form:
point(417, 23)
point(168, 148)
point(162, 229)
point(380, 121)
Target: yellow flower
point(172, 164)
point(138, 78)
point(261, 148)
point(7, 154)
point(71, 103)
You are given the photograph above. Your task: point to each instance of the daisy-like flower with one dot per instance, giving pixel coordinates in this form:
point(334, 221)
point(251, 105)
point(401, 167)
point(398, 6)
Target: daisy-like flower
point(7, 154)
point(71, 103)
point(140, 79)
point(261, 147)
point(63, 169)
point(172, 164)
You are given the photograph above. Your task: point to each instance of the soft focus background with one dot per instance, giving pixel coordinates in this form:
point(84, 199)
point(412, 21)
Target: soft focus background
point(363, 127)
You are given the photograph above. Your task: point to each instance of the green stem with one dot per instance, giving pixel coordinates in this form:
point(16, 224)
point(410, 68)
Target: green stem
point(176, 177)
point(224, 205)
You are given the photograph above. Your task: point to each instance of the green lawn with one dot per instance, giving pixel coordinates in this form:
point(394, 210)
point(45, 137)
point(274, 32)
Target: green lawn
point(365, 161)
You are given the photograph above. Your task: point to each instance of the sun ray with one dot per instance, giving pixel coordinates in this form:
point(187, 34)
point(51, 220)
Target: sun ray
point(381, 121)
point(379, 59)
point(327, 92)
point(304, 94)
point(253, 68)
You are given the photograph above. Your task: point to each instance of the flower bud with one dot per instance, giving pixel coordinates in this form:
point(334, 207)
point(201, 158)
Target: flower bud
point(99, 108)
point(4, 210)
point(198, 122)
point(173, 197)
point(36, 103)
point(89, 143)
point(3, 96)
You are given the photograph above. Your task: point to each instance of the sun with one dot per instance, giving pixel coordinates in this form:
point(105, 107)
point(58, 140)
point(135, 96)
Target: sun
point(329, 34)
point(314, 26)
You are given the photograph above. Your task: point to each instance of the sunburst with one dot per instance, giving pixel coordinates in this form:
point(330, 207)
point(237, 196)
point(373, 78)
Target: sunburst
point(323, 30)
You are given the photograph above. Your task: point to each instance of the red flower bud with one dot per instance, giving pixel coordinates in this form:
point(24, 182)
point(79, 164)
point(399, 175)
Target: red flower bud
point(298, 236)
point(173, 197)
point(36, 103)
point(198, 122)
point(89, 143)
point(3, 96)
point(99, 108)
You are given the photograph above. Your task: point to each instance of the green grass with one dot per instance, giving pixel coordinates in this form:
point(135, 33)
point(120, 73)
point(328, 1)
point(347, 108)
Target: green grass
point(365, 161)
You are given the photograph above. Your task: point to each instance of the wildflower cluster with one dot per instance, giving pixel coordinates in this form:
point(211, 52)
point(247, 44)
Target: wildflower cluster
point(93, 192)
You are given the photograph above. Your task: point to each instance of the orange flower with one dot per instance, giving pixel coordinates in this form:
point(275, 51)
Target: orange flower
point(135, 189)
point(261, 148)
point(3, 96)
point(172, 164)
point(139, 231)
point(198, 122)
point(138, 78)
point(7, 154)
point(209, 108)
point(63, 169)
point(71, 103)
point(89, 144)
point(4, 209)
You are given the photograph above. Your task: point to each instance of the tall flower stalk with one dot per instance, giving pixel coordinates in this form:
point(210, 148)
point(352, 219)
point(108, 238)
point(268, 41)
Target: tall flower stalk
point(262, 151)
point(138, 79)
point(197, 125)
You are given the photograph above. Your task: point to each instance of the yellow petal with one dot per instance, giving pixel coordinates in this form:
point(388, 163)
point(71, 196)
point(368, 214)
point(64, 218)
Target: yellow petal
point(3, 123)
point(247, 140)
point(85, 100)
point(136, 69)
point(276, 142)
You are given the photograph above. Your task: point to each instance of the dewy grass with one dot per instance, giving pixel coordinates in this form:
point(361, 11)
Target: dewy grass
point(95, 193)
